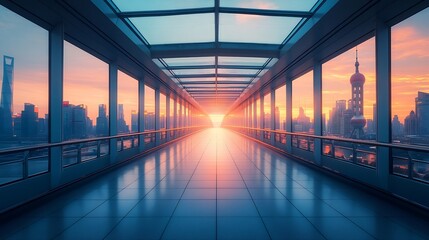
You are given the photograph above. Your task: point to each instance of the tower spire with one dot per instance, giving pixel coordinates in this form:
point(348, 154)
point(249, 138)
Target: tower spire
point(357, 62)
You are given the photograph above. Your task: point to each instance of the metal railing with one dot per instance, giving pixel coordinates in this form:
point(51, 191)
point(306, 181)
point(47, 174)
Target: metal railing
point(19, 163)
point(410, 161)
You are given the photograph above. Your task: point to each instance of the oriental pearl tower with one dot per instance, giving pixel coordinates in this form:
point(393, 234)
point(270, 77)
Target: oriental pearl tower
point(358, 121)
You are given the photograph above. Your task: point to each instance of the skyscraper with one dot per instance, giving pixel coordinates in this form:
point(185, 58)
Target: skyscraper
point(122, 125)
point(134, 121)
point(29, 118)
point(410, 124)
point(102, 128)
point(422, 113)
point(6, 100)
point(358, 121)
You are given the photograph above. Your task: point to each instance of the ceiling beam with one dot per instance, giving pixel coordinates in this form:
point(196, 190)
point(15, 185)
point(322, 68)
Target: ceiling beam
point(214, 75)
point(231, 10)
point(213, 66)
point(215, 49)
point(213, 82)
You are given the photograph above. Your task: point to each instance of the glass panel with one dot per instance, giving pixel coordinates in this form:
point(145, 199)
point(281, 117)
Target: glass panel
point(149, 108)
point(128, 98)
point(410, 81)
point(280, 113)
point(23, 81)
point(234, 79)
point(243, 61)
point(349, 93)
point(163, 111)
point(178, 113)
point(237, 71)
point(172, 102)
point(197, 79)
point(292, 5)
point(139, 5)
point(176, 29)
point(255, 28)
point(267, 111)
point(302, 104)
point(258, 113)
point(191, 61)
point(86, 90)
point(194, 71)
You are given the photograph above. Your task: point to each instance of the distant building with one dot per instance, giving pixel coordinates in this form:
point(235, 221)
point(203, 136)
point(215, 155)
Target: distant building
point(302, 122)
point(410, 124)
point(122, 125)
point(134, 121)
point(277, 118)
point(6, 98)
point(75, 121)
point(358, 121)
point(422, 113)
point(397, 126)
point(149, 118)
point(102, 126)
point(29, 120)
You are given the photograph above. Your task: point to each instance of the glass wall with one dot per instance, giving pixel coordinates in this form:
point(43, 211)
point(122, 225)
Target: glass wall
point(410, 95)
point(267, 111)
point(410, 80)
point(349, 99)
point(23, 81)
point(302, 104)
point(149, 108)
point(258, 113)
point(163, 111)
point(280, 109)
point(86, 94)
point(128, 107)
point(172, 102)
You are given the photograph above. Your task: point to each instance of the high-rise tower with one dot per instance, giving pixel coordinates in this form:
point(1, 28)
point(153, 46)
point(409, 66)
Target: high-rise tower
point(6, 100)
point(358, 121)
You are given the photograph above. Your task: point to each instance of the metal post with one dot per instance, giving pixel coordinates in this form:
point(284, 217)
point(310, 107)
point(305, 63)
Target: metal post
point(167, 116)
point(288, 115)
point(157, 116)
point(382, 46)
point(273, 116)
point(113, 110)
point(56, 66)
point(141, 114)
point(317, 93)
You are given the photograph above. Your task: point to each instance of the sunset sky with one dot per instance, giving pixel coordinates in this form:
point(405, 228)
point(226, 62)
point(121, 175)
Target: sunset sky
point(86, 77)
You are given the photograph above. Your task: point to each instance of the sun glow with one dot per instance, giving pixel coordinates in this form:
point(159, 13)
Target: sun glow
point(216, 119)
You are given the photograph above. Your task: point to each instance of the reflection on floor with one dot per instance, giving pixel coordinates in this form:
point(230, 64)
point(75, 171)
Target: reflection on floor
point(216, 184)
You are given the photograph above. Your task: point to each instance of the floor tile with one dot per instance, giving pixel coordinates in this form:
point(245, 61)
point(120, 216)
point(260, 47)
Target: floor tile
point(191, 228)
point(241, 228)
point(291, 228)
point(139, 228)
point(236, 208)
point(153, 208)
point(339, 228)
point(196, 208)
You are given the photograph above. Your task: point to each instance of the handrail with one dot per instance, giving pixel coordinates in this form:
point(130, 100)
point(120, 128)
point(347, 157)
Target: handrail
point(59, 144)
point(378, 144)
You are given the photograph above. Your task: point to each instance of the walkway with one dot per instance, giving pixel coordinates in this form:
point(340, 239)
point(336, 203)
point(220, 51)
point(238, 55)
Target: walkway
point(216, 184)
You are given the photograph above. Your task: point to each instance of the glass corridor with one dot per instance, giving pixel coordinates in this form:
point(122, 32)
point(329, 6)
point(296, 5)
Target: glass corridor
point(215, 184)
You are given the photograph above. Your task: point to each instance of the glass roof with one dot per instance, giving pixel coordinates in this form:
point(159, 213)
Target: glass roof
point(185, 37)
point(190, 61)
point(247, 28)
point(176, 29)
point(285, 5)
point(194, 71)
point(237, 71)
point(156, 5)
point(244, 61)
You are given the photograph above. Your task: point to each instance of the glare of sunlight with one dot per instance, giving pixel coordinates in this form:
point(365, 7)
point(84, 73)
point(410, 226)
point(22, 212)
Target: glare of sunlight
point(216, 119)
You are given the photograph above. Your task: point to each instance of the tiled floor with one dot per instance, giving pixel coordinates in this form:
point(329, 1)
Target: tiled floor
point(216, 184)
